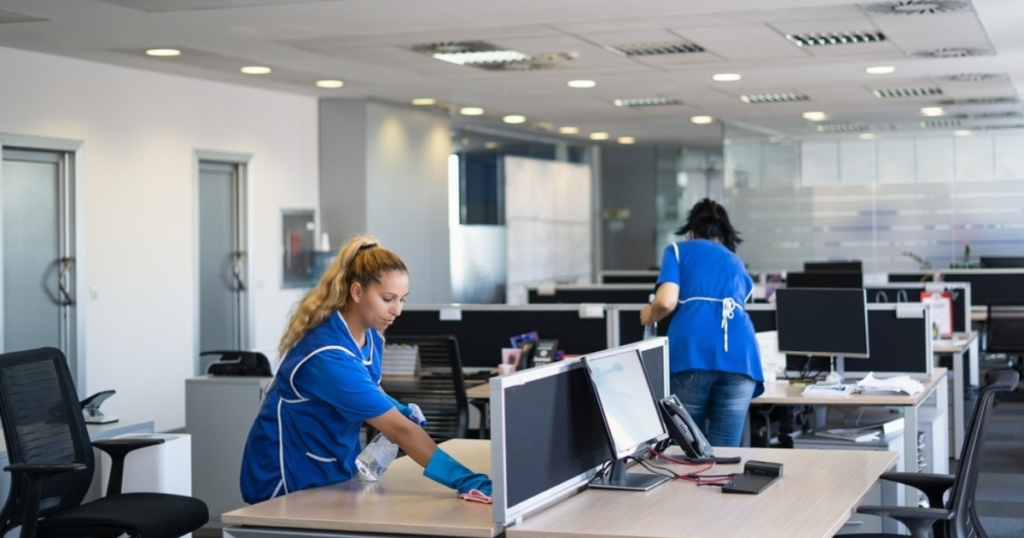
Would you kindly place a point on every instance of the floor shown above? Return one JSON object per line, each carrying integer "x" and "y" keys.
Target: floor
{"x": 1000, "y": 495}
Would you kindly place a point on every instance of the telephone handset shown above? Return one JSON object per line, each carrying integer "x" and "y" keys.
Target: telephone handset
{"x": 686, "y": 434}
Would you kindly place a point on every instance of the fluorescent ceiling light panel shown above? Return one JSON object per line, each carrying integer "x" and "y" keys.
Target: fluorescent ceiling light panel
{"x": 701, "y": 120}
{"x": 866, "y": 136}
{"x": 581, "y": 83}
{"x": 424, "y": 101}
{"x": 329, "y": 83}
{"x": 514, "y": 118}
{"x": 163, "y": 52}
{"x": 880, "y": 70}
{"x": 626, "y": 140}
{"x": 599, "y": 136}
{"x": 814, "y": 116}
{"x": 726, "y": 77}
{"x": 471, "y": 111}
{"x": 962, "y": 132}
{"x": 569, "y": 130}
{"x": 255, "y": 70}
{"x": 932, "y": 111}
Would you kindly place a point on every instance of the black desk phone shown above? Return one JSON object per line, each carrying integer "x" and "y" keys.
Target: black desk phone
{"x": 686, "y": 434}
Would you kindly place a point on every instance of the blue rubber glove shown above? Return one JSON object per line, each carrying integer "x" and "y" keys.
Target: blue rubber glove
{"x": 444, "y": 470}
{"x": 412, "y": 413}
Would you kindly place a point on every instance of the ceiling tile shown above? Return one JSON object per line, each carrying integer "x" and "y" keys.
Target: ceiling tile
{"x": 8, "y": 17}
{"x": 163, "y": 6}
{"x": 927, "y": 32}
{"x": 743, "y": 42}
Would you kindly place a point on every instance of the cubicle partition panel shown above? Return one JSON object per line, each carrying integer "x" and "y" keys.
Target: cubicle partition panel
{"x": 627, "y": 328}
{"x": 548, "y": 437}
{"x": 910, "y": 292}
{"x": 590, "y": 293}
{"x": 988, "y": 286}
{"x": 483, "y": 330}
{"x": 628, "y": 277}
{"x": 899, "y": 340}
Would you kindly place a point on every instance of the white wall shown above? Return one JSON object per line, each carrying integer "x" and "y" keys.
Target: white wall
{"x": 140, "y": 132}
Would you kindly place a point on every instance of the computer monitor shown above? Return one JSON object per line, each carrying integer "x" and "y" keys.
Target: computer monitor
{"x": 817, "y": 267}
{"x": 1002, "y": 262}
{"x": 829, "y": 322}
{"x": 630, "y": 412}
{"x": 825, "y": 279}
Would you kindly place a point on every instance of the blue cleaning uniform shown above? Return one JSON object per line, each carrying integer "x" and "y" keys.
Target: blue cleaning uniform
{"x": 307, "y": 431}
{"x": 710, "y": 330}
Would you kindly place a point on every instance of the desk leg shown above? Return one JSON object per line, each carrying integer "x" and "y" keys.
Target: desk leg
{"x": 484, "y": 430}
{"x": 910, "y": 451}
{"x": 959, "y": 367}
{"x": 975, "y": 361}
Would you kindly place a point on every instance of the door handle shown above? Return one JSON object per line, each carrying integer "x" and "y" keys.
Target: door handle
{"x": 237, "y": 271}
{"x": 65, "y": 299}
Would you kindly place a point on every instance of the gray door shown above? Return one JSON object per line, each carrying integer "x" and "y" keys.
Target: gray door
{"x": 222, "y": 262}
{"x": 38, "y": 270}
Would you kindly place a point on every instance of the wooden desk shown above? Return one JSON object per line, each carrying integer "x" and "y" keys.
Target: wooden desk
{"x": 402, "y": 502}
{"x": 970, "y": 366}
{"x": 479, "y": 392}
{"x": 783, "y": 393}
{"x": 817, "y": 493}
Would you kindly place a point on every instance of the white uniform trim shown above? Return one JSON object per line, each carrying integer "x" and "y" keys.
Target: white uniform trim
{"x": 366, "y": 362}
{"x": 321, "y": 458}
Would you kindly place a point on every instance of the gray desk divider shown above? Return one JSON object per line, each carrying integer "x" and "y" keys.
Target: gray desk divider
{"x": 910, "y": 292}
{"x": 547, "y": 434}
{"x": 590, "y": 293}
{"x": 988, "y": 286}
{"x": 627, "y": 277}
{"x": 483, "y": 330}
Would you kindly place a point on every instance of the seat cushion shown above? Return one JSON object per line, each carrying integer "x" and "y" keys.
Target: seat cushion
{"x": 149, "y": 515}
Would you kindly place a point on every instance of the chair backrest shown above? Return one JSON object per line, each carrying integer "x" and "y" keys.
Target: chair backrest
{"x": 965, "y": 522}
{"x": 42, "y": 422}
{"x": 1004, "y": 329}
{"x": 444, "y": 401}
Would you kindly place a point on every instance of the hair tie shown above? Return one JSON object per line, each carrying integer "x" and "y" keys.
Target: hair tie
{"x": 366, "y": 246}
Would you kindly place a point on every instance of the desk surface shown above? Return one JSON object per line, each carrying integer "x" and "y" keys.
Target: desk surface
{"x": 954, "y": 345}
{"x": 402, "y": 502}
{"x": 479, "y": 392}
{"x": 782, "y": 392}
{"x": 817, "y": 493}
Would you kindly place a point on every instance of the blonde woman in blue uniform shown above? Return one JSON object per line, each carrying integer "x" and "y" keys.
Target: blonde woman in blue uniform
{"x": 307, "y": 431}
{"x": 714, "y": 361}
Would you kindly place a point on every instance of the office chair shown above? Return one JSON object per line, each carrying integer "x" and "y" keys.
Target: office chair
{"x": 1004, "y": 333}
{"x": 957, "y": 518}
{"x": 52, "y": 462}
{"x": 440, "y": 390}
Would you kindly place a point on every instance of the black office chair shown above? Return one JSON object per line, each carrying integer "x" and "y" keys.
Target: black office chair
{"x": 1004, "y": 333}
{"x": 52, "y": 462}
{"x": 957, "y": 518}
{"x": 440, "y": 390}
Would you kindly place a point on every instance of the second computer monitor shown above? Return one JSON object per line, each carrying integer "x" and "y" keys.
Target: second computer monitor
{"x": 827, "y": 322}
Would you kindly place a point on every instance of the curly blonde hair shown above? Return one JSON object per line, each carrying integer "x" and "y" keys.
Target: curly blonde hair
{"x": 360, "y": 260}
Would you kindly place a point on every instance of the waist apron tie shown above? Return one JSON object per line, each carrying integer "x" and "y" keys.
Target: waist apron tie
{"x": 728, "y": 306}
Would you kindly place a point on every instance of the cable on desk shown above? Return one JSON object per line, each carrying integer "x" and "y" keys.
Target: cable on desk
{"x": 694, "y": 476}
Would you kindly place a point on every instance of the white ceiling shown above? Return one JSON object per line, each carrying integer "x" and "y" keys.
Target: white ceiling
{"x": 366, "y": 44}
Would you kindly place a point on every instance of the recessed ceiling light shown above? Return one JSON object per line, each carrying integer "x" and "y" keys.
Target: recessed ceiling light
{"x": 491, "y": 145}
{"x": 599, "y": 136}
{"x": 329, "y": 83}
{"x": 626, "y": 140}
{"x": 726, "y": 77}
{"x": 880, "y": 70}
{"x": 933, "y": 111}
{"x": 814, "y": 116}
{"x": 569, "y": 130}
{"x": 163, "y": 52}
{"x": 514, "y": 118}
{"x": 485, "y": 57}
{"x": 962, "y": 132}
{"x": 866, "y": 136}
{"x": 422, "y": 101}
{"x": 255, "y": 70}
{"x": 471, "y": 111}
{"x": 582, "y": 83}
{"x": 701, "y": 120}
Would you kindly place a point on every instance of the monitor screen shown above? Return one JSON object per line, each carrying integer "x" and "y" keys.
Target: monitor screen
{"x": 830, "y": 322}
{"x": 1002, "y": 262}
{"x": 828, "y": 279}
{"x": 813, "y": 267}
{"x": 630, "y": 413}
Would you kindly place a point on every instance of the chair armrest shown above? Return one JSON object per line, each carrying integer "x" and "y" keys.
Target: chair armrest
{"x": 118, "y": 449}
{"x": 37, "y": 474}
{"x": 934, "y": 486}
{"x": 917, "y": 520}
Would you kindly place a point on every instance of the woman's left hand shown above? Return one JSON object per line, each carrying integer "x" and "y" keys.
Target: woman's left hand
{"x": 645, "y": 316}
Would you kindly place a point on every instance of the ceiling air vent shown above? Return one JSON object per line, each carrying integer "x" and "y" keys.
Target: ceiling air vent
{"x": 835, "y": 38}
{"x": 843, "y": 127}
{"x": 996, "y": 115}
{"x": 993, "y": 127}
{"x": 973, "y": 77}
{"x": 986, "y": 101}
{"x": 906, "y": 92}
{"x": 941, "y": 124}
{"x": 954, "y": 52}
{"x": 480, "y": 54}
{"x": 773, "y": 98}
{"x": 917, "y": 7}
{"x": 647, "y": 101}
{"x": 656, "y": 49}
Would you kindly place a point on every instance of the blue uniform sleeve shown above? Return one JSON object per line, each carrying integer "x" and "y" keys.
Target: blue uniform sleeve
{"x": 343, "y": 382}
{"x": 669, "y": 267}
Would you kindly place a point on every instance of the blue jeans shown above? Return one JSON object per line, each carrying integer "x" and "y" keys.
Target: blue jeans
{"x": 718, "y": 398}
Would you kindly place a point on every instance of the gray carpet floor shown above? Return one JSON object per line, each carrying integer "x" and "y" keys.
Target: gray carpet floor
{"x": 1000, "y": 495}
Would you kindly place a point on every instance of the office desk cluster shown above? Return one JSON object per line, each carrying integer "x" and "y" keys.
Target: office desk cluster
{"x": 817, "y": 494}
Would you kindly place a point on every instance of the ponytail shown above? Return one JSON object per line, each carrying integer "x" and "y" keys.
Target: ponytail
{"x": 709, "y": 220}
{"x": 360, "y": 260}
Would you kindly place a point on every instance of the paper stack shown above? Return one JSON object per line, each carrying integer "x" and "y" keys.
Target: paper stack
{"x": 900, "y": 383}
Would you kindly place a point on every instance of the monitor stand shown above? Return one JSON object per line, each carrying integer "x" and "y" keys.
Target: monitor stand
{"x": 618, "y": 478}
{"x": 838, "y": 371}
